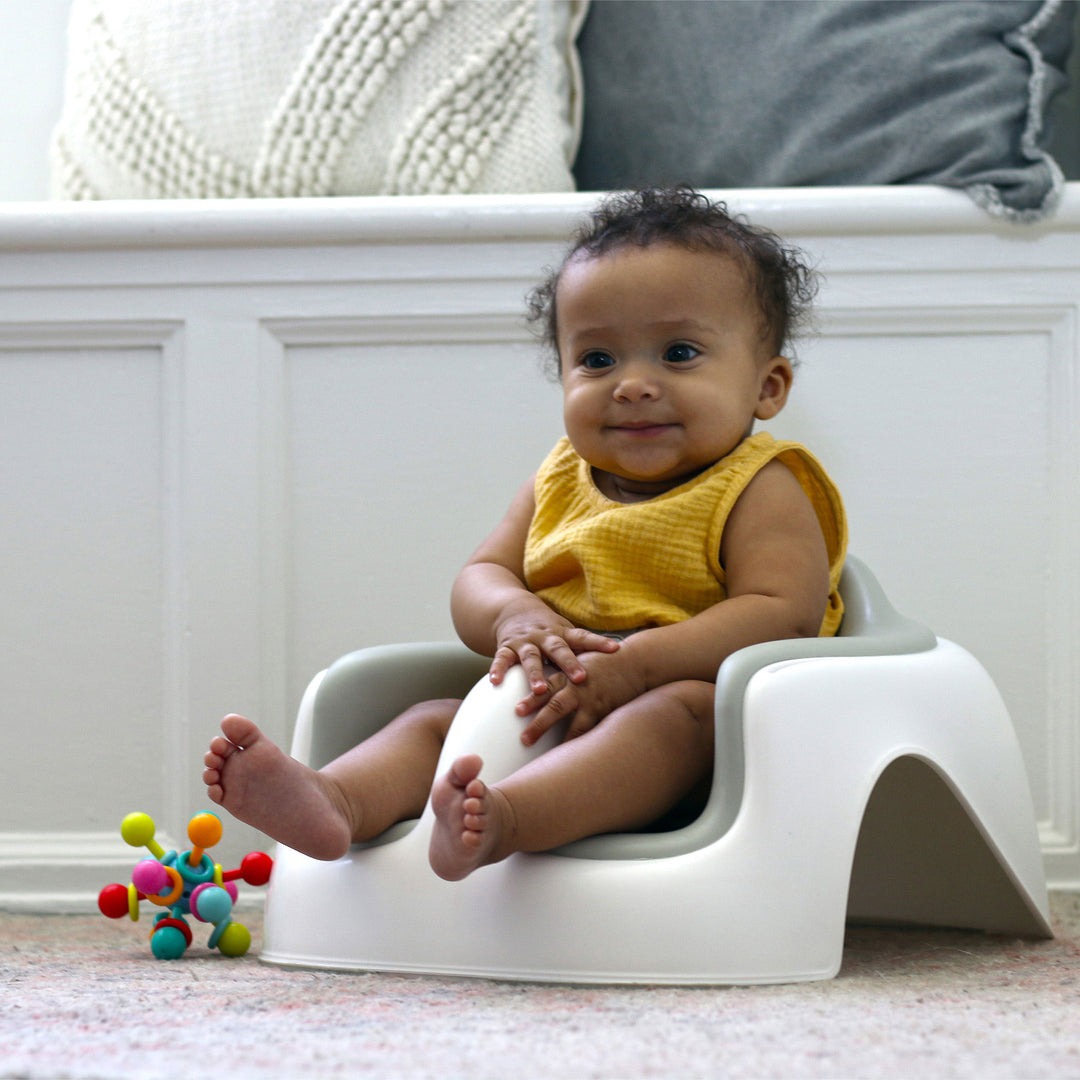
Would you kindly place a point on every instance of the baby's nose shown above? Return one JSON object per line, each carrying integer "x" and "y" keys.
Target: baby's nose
{"x": 637, "y": 384}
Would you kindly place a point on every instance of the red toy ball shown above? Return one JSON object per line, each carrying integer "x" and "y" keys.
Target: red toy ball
{"x": 255, "y": 867}
{"x": 112, "y": 901}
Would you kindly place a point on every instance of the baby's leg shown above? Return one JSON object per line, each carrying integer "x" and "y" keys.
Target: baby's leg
{"x": 623, "y": 774}
{"x": 383, "y": 780}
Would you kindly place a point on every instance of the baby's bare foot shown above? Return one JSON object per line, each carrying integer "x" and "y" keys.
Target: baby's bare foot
{"x": 259, "y": 784}
{"x": 470, "y": 821}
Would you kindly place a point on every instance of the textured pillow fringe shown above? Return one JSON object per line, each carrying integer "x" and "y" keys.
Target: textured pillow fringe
{"x": 68, "y": 180}
{"x": 344, "y": 71}
{"x": 444, "y": 146}
{"x": 986, "y": 195}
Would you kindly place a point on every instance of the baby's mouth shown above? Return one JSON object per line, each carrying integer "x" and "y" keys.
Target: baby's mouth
{"x": 643, "y": 428}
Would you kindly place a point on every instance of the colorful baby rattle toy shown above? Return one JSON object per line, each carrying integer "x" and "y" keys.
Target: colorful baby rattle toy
{"x": 191, "y": 883}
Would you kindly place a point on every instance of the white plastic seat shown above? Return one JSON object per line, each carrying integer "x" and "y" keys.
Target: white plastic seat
{"x": 874, "y": 776}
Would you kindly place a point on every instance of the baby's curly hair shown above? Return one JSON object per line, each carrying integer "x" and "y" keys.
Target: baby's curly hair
{"x": 782, "y": 281}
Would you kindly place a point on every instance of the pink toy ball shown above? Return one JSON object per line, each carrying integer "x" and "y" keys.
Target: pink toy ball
{"x": 113, "y": 901}
{"x": 150, "y": 877}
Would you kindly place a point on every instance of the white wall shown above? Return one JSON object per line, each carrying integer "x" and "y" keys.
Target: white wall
{"x": 186, "y": 410}
{"x": 32, "y": 55}
{"x": 221, "y": 422}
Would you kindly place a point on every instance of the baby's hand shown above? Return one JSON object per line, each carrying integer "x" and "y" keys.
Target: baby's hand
{"x": 534, "y": 636}
{"x": 611, "y": 682}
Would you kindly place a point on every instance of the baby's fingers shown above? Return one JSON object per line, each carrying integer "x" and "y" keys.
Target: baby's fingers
{"x": 564, "y": 657}
{"x": 589, "y": 641}
{"x": 531, "y": 660}
{"x": 558, "y": 707}
{"x": 505, "y": 658}
{"x": 563, "y": 653}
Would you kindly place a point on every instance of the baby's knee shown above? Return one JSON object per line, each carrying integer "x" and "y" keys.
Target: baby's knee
{"x": 436, "y": 715}
{"x": 691, "y": 704}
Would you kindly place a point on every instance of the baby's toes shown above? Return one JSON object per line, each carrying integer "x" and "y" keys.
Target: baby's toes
{"x": 221, "y": 747}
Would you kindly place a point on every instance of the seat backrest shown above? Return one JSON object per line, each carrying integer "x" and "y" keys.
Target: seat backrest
{"x": 869, "y": 614}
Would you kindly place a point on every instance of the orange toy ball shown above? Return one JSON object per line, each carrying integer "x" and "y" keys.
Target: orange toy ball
{"x": 204, "y": 830}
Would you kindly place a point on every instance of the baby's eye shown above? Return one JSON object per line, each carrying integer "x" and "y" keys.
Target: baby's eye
{"x": 680, "y": 354}
{"x": 596, "y": 361}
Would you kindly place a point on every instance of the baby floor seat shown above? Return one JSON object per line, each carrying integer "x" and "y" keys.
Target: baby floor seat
{"x": 874, "y": 776}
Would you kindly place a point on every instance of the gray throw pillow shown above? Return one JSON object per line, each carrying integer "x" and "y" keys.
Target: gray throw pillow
{"x": 778, "y": 93}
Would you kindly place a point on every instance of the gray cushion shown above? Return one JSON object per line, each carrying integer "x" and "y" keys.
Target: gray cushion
{"x": 779, "y": 93}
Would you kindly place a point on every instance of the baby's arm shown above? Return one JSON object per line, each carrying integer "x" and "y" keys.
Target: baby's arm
{"x": 496, "y": 615}
{"x": 777, "y": 569}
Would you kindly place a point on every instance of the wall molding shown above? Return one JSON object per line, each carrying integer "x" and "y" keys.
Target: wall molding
{"x": 64, "y": 871}
{"x": 188, "y": 224}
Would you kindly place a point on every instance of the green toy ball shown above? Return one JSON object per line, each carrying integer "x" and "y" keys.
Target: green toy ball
{"x": 235, "y": 941}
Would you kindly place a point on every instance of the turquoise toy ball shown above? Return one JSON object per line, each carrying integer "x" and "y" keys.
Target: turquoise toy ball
{"x": 167, "y": 943}
{"x": 211, "y": 904}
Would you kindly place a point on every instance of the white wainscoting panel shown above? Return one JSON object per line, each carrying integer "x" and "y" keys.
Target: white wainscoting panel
{"x": 238, "y": 440}
{"x": 92, "y": 657}
{"x": 378, "y": 435}
{"x": 966, "y": 479}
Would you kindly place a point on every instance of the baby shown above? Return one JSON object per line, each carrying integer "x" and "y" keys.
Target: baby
{"x": 660, "y": 535}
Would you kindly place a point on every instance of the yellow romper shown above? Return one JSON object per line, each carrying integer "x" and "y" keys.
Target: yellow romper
{"x": 614, "y": 567}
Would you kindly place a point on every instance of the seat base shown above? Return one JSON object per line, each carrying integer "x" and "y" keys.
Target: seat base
{"x": 765, "y": 901}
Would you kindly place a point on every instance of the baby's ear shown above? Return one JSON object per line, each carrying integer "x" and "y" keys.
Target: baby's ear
{"x": 775, "y": 384}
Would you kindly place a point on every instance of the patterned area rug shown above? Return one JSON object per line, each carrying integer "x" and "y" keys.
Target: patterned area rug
{"x": 83, "y": 998}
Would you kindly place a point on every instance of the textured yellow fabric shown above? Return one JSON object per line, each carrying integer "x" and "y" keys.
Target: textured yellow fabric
{"x": 622, "y": 566}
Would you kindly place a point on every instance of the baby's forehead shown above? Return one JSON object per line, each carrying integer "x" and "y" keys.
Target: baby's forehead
{"x": 707, "y": 253}
{"x": 731, "y": 272}
{"x": 733, "y": 264}
{"x": 693, "y": 265}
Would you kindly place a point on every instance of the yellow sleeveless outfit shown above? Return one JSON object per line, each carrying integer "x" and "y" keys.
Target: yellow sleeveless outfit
{"x": 613, "y": 566}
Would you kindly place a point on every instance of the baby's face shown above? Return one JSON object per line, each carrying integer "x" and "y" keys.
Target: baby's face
{"x": 664, "y": 368}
